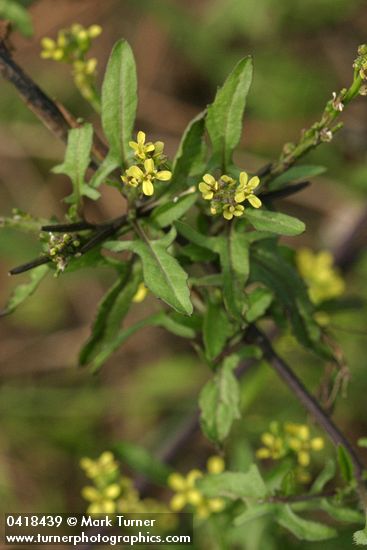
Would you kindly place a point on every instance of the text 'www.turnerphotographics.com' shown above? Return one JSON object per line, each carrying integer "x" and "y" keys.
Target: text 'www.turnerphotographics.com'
{"x": 99, "y": 529}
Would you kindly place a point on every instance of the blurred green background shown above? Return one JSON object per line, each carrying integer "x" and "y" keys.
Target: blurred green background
{"x": 53, "y": 414}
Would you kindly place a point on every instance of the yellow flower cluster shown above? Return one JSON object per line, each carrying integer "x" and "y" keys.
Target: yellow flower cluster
{"x": 290, "y": 439}
{"x": 150, "y": 159}
{"x": 322, "y": 279}
{"x": 112, "y": 492}
{"x": 187, "y": 494}
{"x": 226, "y": 195}
{"x": 71, "y": 46}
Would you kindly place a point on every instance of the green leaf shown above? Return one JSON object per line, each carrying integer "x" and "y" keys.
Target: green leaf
{"x": 341, "y": 513}
{"x": 142, "y": 461}
{"x": 345, "y": 464}
{"x": 258, "y": 302}
{"x": 233, "y": 252}
{"x": 76, "y": 162}
{"x": 161, "y": 319}
{"x": 303, "y": 529}
{"x": 13, "y": 11}
{"x": 111, "y": 312}
{"x": 219, "y": 401}
{"x": 234, "y": 485}
{"x": 326, "y": 474}
{"x": 215, "y": 279}
{"x": 22, "y": 292}
{"x": 194, "y": 236}
{"x": 188, "y": 159}
{"x": 276, "y": 222}
{"x": 109, "y": 164}
{"x": 270, "y": 268}
{"x": 119, "y": 101}
{"x": 172, "y": 211}
{"x": 163, "y": 275}
{"x": 216, "y": 330}
{"x": 255, "y": 512}
{"x": 296, "y": 173}
{"x": 360, "y": 537}
{"x": 224, "y": 118}
{"x": 362, "y": 442}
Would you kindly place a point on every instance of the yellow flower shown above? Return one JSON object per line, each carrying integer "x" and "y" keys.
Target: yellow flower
{"x": 105, "y": 465}
{"x": 188, "y": 494}
{"x": 322, "y": 279}
{"x": 208, "y": 187}
{"x": 215, "y": 465}
{"x": 102, "y": 500}
{"x": 140, "y": 294}
{"x": 301, "y": 443}
{"x": 94, "y": 31}
{"x": 245, "y": 190}
{"x": 135, "y": 176}
{"x": 229, "y": 211}
{"x": 273, "y": 446}
{"x": 140, "y": 147}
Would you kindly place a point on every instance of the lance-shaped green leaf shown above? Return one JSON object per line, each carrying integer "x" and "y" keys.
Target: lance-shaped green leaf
{"x": 172, "y": 211}
{"x": 270, "y": 268}
{"x": 296, "y": 173}
{"x": 224, "y": 118}
{"x": 217, "y": 328}
{"x": 219, "y": 401}
{"x": 345, "y": 464}
{"x": 189, "y": 156}
{"x": 254, "y": 512}
{"x": 76, "y": 162}
{"x": 170, "y": 322}
{"x": 22, "y": 292}
{"x": 142, "y": 461}
{"x": 163, "y": 275}
{"x": 275, "y": 222}
{"x": 303, "y": 529}
{"x": 258, "y": 302}
{"x": 234, "y": 485}
{"x": 111, "y": 312}
{"x": 326, "y": 474}
{"x": 119, "y": 102}
{"x": 233, "y": 252}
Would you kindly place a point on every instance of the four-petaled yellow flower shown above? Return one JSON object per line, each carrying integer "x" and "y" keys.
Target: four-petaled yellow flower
{"x": 105, "y": 465}
{"x": 301, "y": 442}
{"x": 140, "y": 147}
{"x": 208, "y": 187}
{"x": 188, "y": 494}
{"x": 229, "y": 211}
{"x": 102, "y": 501}
{"x": 136, "y": 176}
{"x": 322, "y": 279}
{"x": 274, "y": 447}
{"x": 245, "y": 190}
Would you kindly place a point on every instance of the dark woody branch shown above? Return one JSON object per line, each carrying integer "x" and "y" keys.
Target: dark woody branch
{"x": 53, "y": 115}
